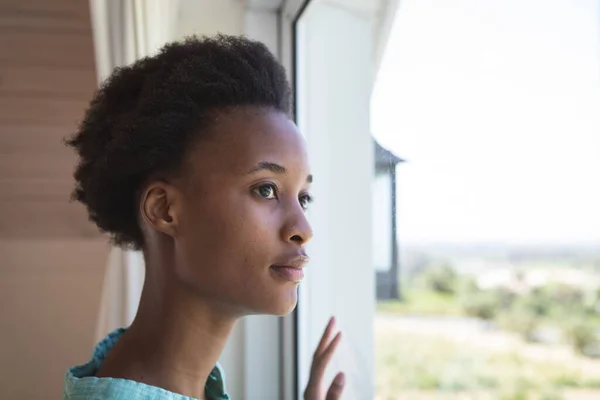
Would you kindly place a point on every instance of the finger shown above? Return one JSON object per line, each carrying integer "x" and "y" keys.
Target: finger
{"x": 337, "y": 387}
{"x": 320, "y": 363}
{"x": 325, "y": 338}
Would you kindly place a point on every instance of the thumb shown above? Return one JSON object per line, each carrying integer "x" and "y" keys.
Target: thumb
{"x": 337, "y": 387}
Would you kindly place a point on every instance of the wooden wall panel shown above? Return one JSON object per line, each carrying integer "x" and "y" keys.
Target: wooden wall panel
{"x": 47, "y": 77}
{"x": 66, "y": 82}
{"x": 32, "y": 137}
{"x": 37, "y": 165}
{"x": 73, "y": 8}
{"x": 49, "y": 300}
{"x": 52, "y": 259}
{"x": 37, "y": 108}
{"x": 61, "y": 219}
{"x": 43, "y": 48}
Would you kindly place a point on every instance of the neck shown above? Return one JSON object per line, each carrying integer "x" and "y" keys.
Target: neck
{"x": 174, "y": 341}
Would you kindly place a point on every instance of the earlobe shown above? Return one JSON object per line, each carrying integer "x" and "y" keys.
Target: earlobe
{"x": 158, "y": 208}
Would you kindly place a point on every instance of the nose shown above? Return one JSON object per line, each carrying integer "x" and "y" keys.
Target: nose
{"x": 297, "y": 229}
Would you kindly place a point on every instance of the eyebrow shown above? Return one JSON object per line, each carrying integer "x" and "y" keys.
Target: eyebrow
{"x": 273, "y": 167}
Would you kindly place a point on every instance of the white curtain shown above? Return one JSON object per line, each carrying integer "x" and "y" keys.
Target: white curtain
{"x": 124, "y": 31}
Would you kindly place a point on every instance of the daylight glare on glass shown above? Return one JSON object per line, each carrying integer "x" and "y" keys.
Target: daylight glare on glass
{"x": 493, "y": 106}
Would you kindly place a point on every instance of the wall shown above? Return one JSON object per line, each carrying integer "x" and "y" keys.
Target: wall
{"x": 51, "y": 258}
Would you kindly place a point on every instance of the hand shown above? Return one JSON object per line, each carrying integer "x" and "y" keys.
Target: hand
{"x": 322, "y": 356}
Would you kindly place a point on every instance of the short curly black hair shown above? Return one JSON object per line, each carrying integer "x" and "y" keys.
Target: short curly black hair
{"x": 145, "y": 116}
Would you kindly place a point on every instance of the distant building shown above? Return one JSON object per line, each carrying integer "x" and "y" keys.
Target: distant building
{"x": 385, "y": 239}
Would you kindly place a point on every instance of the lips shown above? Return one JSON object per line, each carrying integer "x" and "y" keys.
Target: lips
{"x": 290, "y": 269}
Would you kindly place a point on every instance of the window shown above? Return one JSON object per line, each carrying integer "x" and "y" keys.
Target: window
{"x": 495, "y": 243}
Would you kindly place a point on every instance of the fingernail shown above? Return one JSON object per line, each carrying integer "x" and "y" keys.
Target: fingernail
{"x": 340, "y": 379}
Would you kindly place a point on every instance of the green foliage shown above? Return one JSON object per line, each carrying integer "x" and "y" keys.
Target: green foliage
{"x": 422, "y": 302}
{"x": 521, "y": 320}
{"x": 438, "y": 367}
{"x": 480, "y": 304}
{"x": 551, "y": 394}
{"x": 432, "y": 365}
{"x": 439, "y": 290}
{"x": 440, "y": 278}
{"x": 583, "y": 335}
{"x": 538, "y": 302}
{"x": 485, "y": 304}
{"x": 566, "y": 295}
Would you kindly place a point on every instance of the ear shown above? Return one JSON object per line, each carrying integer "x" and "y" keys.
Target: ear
{"x": 160, "y": 208}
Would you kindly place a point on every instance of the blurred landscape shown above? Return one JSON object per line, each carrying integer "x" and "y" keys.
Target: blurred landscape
{"x": 492, "y": 321}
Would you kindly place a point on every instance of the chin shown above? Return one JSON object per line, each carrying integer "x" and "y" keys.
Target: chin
{"x": 281, "y": 303}
{"x": 283, "y": 311}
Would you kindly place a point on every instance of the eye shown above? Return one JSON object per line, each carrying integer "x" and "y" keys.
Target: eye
{"x": 267, "y": 191}
{"x": 305, "y": 200}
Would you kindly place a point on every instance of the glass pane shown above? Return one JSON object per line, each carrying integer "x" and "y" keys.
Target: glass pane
{"x": 495, "y": 108}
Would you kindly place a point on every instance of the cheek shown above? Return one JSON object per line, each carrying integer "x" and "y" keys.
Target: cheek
{"x": 230, "y": 233}
{"x": 228, "y": 247}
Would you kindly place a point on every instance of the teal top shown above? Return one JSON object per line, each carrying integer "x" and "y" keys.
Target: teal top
{"x": 80, "y": 382}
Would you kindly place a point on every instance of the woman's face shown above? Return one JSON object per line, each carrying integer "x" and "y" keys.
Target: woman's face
{"x": 243, "y": 229}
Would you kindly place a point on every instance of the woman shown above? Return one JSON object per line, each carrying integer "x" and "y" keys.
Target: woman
{"x": 192, "y": 157}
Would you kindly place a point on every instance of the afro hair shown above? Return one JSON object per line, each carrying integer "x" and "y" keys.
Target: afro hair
{"x": 145, "y": 116}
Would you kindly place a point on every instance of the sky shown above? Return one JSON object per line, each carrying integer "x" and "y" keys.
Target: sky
{"x": 495, "y": 106}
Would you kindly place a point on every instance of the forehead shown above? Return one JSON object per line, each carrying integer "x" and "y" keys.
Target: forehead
{"x": 240, "y": 138}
